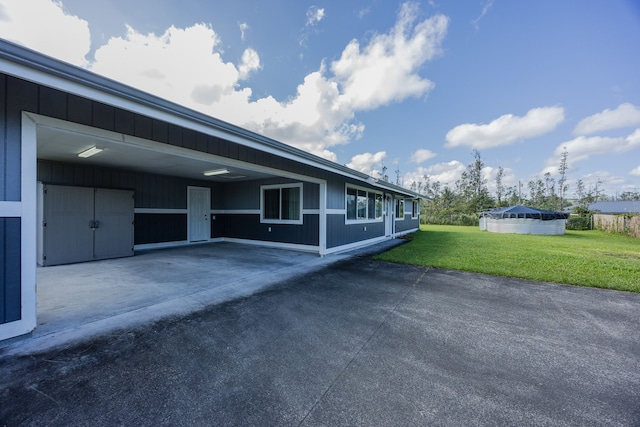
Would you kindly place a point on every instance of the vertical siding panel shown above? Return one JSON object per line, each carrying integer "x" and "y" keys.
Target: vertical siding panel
{"x": 124, "y": 122}
{"x": 52, "y": 103}
{"x": 142, "y": 126}
{"x": 214, "y": 145}
{"x": 79, "y": 110}
{"x": 189, "y": 139}
{"x": 21, "y": 96}
{"x": 233, "y": 150}
{"x": 175, "y": 135}
{"x": 201, "y": 142}
{"x": 159, "y": 131}
{"x": 103, "y": 116}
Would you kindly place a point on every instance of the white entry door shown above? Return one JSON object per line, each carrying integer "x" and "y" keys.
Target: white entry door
{"x": 389, "y": 219}
{"x": 199, "y": 207}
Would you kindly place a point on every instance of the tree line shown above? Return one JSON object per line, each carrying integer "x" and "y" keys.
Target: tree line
{"x": 471, "y": 195}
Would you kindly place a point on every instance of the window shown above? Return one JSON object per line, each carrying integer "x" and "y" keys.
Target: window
{"x": 363, "y": 205}
{"x": 351, "y": 203}
{"x": 281, "y": 204}
{"x": 399, "y": 208}
{"x": 416, "y": 209}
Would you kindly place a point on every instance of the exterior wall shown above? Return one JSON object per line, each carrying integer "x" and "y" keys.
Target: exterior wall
{"x": 407, "y": 223}
{"x": 525, "y": 226}
{"x": 160, "y": 201}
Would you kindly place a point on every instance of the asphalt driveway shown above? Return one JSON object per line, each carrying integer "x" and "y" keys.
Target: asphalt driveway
{"x": 358, "y": 342}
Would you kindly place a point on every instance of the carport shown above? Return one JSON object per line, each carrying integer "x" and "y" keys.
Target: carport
{"x": 76, "y": 301}
{"x": 79, "y": 147}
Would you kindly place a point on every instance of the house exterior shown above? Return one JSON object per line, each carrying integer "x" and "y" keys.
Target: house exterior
{"x": 617, "y": 217}
{"x": 91, "y": 168}
{"x": 615, "y": 208}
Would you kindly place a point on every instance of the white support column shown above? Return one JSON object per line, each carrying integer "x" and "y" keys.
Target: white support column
{"x": 26, "y": 211}
{"x": 322, "y": 228}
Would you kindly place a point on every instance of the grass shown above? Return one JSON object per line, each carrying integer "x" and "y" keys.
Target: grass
{"x": 585, "y": 258}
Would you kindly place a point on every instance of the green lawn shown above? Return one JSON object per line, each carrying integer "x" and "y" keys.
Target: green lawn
{"x": 586, "y": 258}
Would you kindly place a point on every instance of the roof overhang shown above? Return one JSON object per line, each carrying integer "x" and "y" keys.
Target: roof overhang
{"x": 38, "y": 68}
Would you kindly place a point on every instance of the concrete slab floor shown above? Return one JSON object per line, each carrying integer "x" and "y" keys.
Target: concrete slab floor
{"x": 77, "y": 301}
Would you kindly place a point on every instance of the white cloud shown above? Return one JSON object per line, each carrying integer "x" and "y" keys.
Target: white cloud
{"x": 186, "y": 66}
{"x": 37, "y": 24}
{"x": 485, "y": 9}
{"x": 368, "y": 163}
{"x": 422, "y": 155}
{"x": 506, "y": 129}
{"x": 314, "y": 15}
{"x": 447, "y": 173}
{"x": 583, "y": 147}
{"x": 625, "y": 115}
{"x": 635, "y": 172}
{"x": 250, "y": 62}
{"x": 385, "y": 70}
{"x": 244, "y": 27}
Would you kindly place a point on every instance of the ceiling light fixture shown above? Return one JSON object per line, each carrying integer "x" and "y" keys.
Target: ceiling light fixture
{"x": 216, "y": 172}
{"x": 90, "y": 152}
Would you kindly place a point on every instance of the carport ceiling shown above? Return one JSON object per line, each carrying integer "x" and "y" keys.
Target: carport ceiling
{"x": 64, "y": 145}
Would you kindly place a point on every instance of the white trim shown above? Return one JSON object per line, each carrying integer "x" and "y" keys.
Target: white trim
{"x": 28, "y": 221}
{"x": 402, "y": 233}
{"x": 310, "y": 211}
{"x": 322, "y": 224}
{"x": 336, "y": 211}
{"x": 235, "y": 211}
{"x": 395, "y": 208}
{"x": 160, "y": 211}
{"x": 413, "y": 205}
{"x": 356, "y": 244}
{"x": 264, "y": 220}
{"x": 162, "y": 245}
{"x": 269, "y": 244}
{"x": 10, "y": 209}
{"x": 366, "y": 220}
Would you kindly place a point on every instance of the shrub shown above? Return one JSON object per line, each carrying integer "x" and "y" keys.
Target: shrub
{"x": 450, "y": 219}
{"x": 579, "y": 223}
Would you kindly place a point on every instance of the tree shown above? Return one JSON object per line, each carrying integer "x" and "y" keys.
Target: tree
{"x": 472, "y": 187}
{"x": 562, "y": 169}
{"x": 580, "y": 193}
{"x": 499, "y": 186}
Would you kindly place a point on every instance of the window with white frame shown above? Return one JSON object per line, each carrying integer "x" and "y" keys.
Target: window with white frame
{"x": 416, "y": 209}
{"x": 281, "y": 203}
{"x": 363, "y": 205}
{"x": 399, "y": 208}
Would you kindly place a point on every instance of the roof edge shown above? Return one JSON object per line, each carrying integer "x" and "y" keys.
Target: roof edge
{"x": 40, "y": 62}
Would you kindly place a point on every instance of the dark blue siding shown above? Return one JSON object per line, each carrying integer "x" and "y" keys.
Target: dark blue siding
{"x": 339, "y": 233}
{"x": 10, "y": 268}
{"x": 335, "y": 193}
{"x": 160, "y": 228}
{"x": 407, "y": 224}
{"x": 151, "y": 191}
{"x": 249, "y": 227}
{"x": 311, "y": 194}
{"x": 20, "y": 96}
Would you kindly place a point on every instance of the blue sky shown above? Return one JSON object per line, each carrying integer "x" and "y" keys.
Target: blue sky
{"x": 415, "y": 86}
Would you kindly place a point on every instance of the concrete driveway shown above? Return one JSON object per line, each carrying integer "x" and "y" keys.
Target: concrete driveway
{"x": 356, "y": 342}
